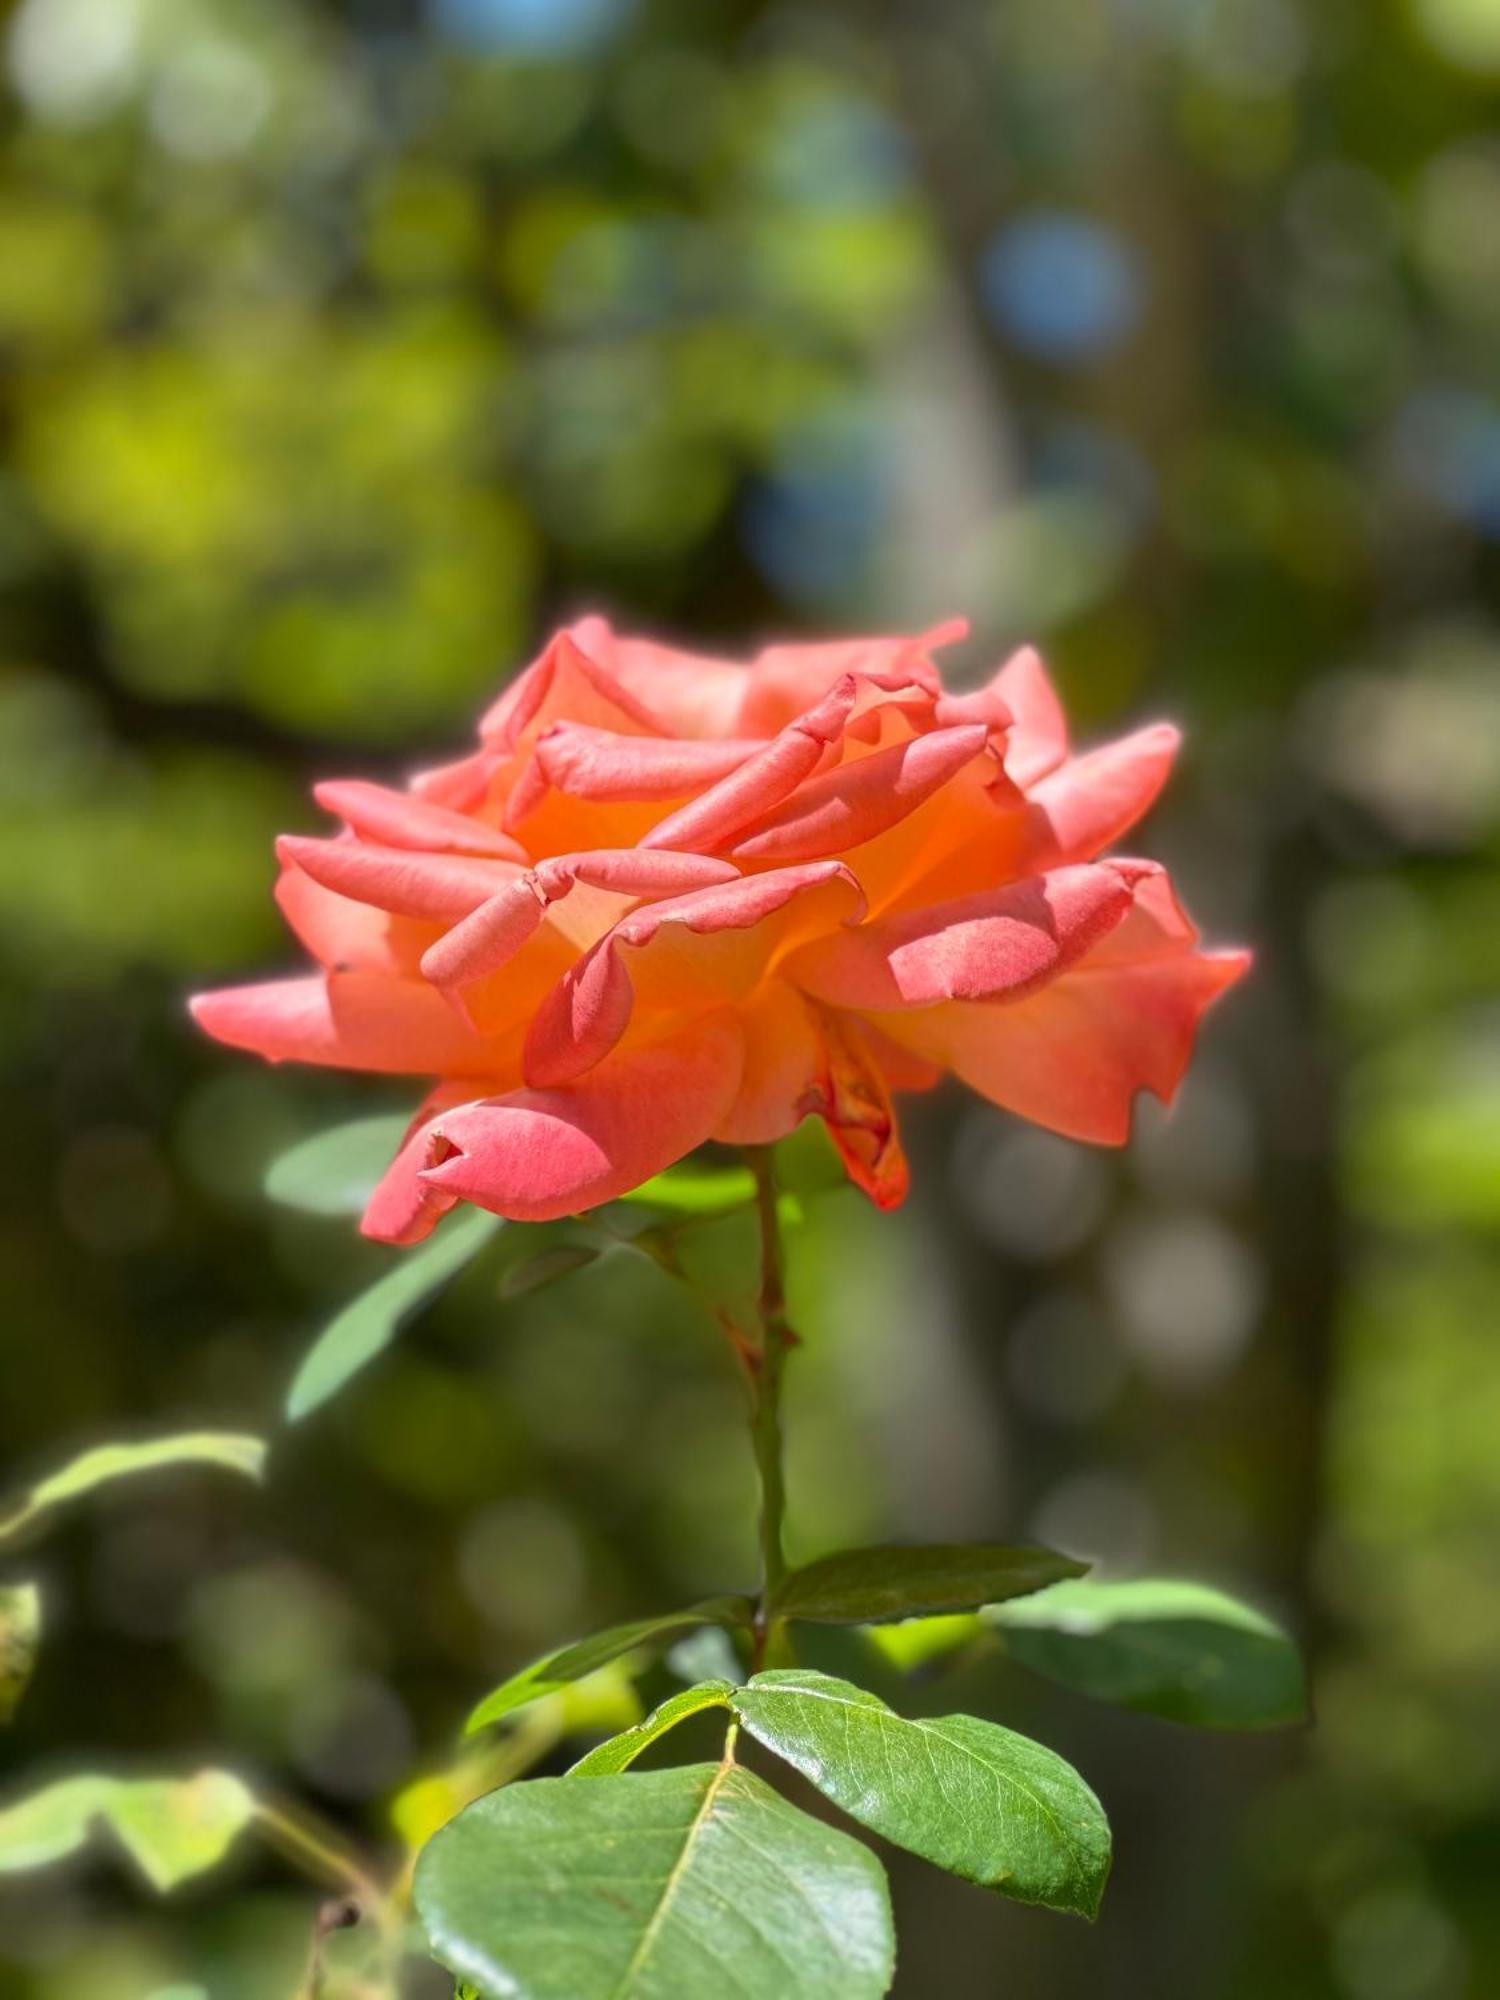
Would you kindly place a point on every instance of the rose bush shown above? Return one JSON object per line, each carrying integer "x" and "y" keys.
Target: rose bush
{"x": 673, "y": 898}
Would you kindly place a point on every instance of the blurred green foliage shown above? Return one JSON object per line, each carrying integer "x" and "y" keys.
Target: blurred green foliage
{"x": 344, "y": 349}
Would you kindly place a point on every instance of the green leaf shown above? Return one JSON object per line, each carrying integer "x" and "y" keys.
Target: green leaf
{"x": 1178, "y": 1650}
{"x": 20, "y": 1639}
{"x": 917, "y": 1642}
{"x": 657, "y": 1885}
{"x": 697, "y": 1190}
{"x": 368, "y": 1324}
{"x": 571, "y": 1663}
{"x": 870, "y": 1586}
{"x": 707, "y": 1654}
{"x": 558, "y": 1260}
{"x": 172, "y": 1828}
{"x": 622, "y": 1750}
{"x": 231, "y": 1450}
{"x": 980, "y": 1800}
{"x": 335, "y": 1172}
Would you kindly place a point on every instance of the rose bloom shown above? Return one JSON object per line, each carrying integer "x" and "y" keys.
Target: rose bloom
{"x": 672, "y": 898}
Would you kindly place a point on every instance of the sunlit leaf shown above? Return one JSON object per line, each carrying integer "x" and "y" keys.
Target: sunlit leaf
{"x": 980, "y": 1800}
{"x": 172, "y": 1828}
{"x": 598, "y": 1705}
{"x": 867, "y": 1586}
{"x": 571, "y": 1663}
{"x": 1179, "y": 1650}
{"x": 649, "y": 1886}
{"x": 369, "y": 1323}
{"x": 20, "y": 1639}
{"x": 915, "y": 1642}
{"x": 697, "y": 1190}
{"x": 231, "y": 1450}
{"x": 621, "y": 1751}
{"x": 335, "y": 1172}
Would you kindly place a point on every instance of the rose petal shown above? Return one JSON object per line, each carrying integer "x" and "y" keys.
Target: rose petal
{"x": 535, "y": 1155}
{"x": 860, "y": 1117}
{"x": 399, "y": 820}
{"x": 903, "y": 1069}
{"x": 1087, "y": 803}
{"x": 342, "y": 934}
{"x": 984, "y": 705}
{"x": 404, "y": 881}
{"x": 782, "y": 1081}
{"x": 694, "y": 694}
{"x": 587, "y": 787}
{"x": 460, "y": 786}
{"x": 841, "y": 809}
{"x": 785, "y": 681}
{"x": 762, "y": 781}
{"x": 348, "y": 1020}
{"x": 1073, "y": 1054}
{"x": 565, "y": 684}
{"x": 1074, "y": 1057}
{"x": 602, "y": 765}
{"x": 688, "y": 954}
{"x": 491, "y": 935}
{"x": 1039, "y": 729}
{"x": 402, "y": 1209}
{"x": 1000, "y": 942}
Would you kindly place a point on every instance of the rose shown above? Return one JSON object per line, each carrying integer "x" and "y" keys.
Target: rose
{"x": 672, "y": 899}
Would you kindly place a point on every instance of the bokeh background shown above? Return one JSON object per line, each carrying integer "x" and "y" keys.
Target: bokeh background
{"x": 345, "y": 349}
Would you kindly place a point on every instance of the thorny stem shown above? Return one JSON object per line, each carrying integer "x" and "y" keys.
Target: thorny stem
{"x": 764, "y": 1365}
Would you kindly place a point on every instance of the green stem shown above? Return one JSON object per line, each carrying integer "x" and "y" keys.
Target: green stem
{"x": 319, "y": 1852}
{"x": 764, "y": 1368}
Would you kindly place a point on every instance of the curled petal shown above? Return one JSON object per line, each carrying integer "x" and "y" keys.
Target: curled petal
{"x": 402, "y": 1209}
{"x": 1073, "y": 1054}
{"x": 841, "y": 809}
{"x": 347, "y": 1020}
{"x": 409, "y": 883}
{"x": 535, "y": 1155}
{"x": 488, "y": 938}
{"x": 399, "y": 820}
{"x": 985, "y": 705}
{"x": 694, "y": 694}
{"x": 998, "y": 943}
{"x": 856, "y": 1107}
{"x": 1087, "y": 803}
{"x": 1039, "y": 729}
{"x": 1156, "y": 925}
{"x": 762, "y": 781}
{"x": 688, "y": 953}
{"x": 784, "y": 681}
{"x": 1074, "y": 1057}
{"x": 494, "y": 932}
{"x": 602, "y": 765}
{"x": 566, "y": 683}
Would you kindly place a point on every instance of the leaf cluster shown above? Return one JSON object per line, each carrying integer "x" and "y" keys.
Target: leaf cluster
{"x": 619, "y": 1882}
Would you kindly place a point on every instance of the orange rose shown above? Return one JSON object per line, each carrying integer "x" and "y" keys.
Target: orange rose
{"x": 672, "y": 899}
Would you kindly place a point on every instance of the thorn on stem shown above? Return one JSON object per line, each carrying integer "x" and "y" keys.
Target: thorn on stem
{"x": 340, "y": 1913}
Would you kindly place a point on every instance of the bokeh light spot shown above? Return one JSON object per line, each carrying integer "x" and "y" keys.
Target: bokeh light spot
{"x": 1061, "y": 286}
